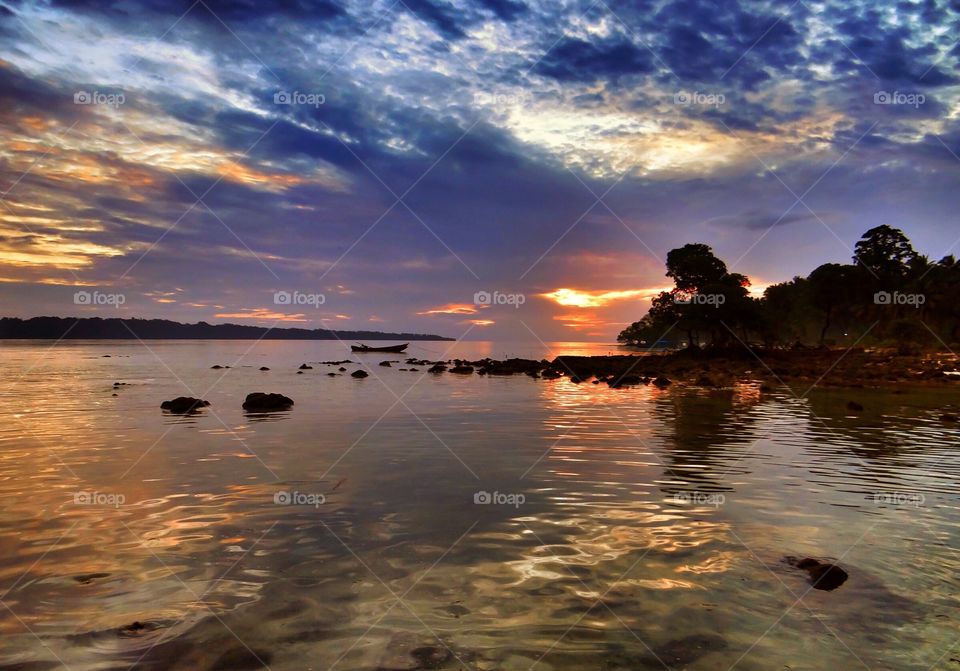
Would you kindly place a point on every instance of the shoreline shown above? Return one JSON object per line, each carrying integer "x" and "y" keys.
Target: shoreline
{"x": 852, "y": 368}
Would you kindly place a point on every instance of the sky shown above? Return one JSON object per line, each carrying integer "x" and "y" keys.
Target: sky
{"x": 484, "y": 169}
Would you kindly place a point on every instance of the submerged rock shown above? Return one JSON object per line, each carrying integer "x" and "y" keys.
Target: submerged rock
{"x": 359, "y": 374}
{"x": 551, "y": 374}
{"x": 462, "y": 370}
{"x": 853, "y": 406}
{"x": 264, "y": 368}
{"x": 386, "y": 364}
{"x": 259, "y": 401}
{"x": 662, "y": 382}
{"x": 437, "y": 368}
{"x": 823, "y": 575}
{"x": 183, "y": 405}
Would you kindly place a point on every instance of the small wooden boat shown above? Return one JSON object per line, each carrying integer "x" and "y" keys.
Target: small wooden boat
{"x": 389, "y": 348}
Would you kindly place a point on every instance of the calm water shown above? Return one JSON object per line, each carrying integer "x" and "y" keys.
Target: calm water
{"x": 630, "y": 529}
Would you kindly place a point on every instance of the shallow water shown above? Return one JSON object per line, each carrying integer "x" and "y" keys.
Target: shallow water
{"x": 632, "y": 528}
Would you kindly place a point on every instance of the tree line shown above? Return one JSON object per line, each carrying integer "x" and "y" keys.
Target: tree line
{"x": 889, "y": 295}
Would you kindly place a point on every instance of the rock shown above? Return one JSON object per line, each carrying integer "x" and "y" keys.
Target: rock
{"x": 331, "y": 375}
{"x": 462, "y": 370}
{"x": 215, "y": 366}
{"x": 437, "y": 368}
{"x": 823, "y": 576}
{"x": 853, "y": 406}
{"x": 947, "y": 417}
{"x": 299, "y": 372}
{"x": 551, "y": 374}
{"x": 705, "y": 381}
{"x": 414, "y": 370}
{"x": 431, "y": 656}
{"x": 359, "y": 374}
{"x": 183, "y": 405}
{"x": 264, "y": 368}
{"x": 88, "y": 578}
{"x": 304, "y": 366}
{"x": 662, "y": 382}
{"x": 259, "y": 401}
{"x": 342, "y": 369}
{"x": 629, "y": 380}
{"x": 386, "y": 364}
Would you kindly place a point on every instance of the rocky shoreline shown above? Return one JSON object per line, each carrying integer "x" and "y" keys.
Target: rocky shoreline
{"x": 720, "y": 368}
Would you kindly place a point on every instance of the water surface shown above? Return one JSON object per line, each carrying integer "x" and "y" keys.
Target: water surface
{"x": 629, "y": 529}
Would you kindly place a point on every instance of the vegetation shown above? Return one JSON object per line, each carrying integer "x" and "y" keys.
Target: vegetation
{"x": 889, "y": 295}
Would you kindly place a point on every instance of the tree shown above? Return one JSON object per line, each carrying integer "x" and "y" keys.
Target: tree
{"x": 885, "y": 252}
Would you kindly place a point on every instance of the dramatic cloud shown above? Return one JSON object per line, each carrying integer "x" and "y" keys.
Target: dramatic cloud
{"x": 398, "y": 158}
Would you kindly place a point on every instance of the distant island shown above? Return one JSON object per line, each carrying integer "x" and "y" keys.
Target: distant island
{"x": 97, "y": 328}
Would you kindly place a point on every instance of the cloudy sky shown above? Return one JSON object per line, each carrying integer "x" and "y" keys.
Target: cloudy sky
{"x": 398, "y": 157}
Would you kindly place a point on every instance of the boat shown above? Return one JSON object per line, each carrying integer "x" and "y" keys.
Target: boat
{"x": 389, "y": 348}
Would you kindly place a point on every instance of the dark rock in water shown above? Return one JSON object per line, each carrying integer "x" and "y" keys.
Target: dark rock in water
{"x": 183, "y": 405}
{"x": 947, "y": 417}
{"x": 551, "y": 374}
{"x": 823, "y": 576}
{"x": 853, "y": 406}
{"x": 88, "y": 578}
{"x": 629, "y": 380}
{"x": 530, "y": 373}
{"x": 342, "y": 369}
{"x": 386, "y": 364}
{"x": 137, "y": 629}
{"x": 216, "y": 366}
{"x": 331, "y": 375}
{"x": 359, "y": 374}
{"x": 299, "y": 372}
{"x": 304, "y": 366}
{"x": 335, "y": 363}
{"x": 661, "y": 382}
{"x": 105, "y": 356}
{"x": 114, "y": 394}
{"x": 414, "y": 369}
{"x": 437, "y": 368}
{"x": 431, "y": 656}
{"x": 264, "y": 368}
{"x": 259, "y": 401}
{"x": 462, "y": 370}
{"x": 705, "y": 381}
